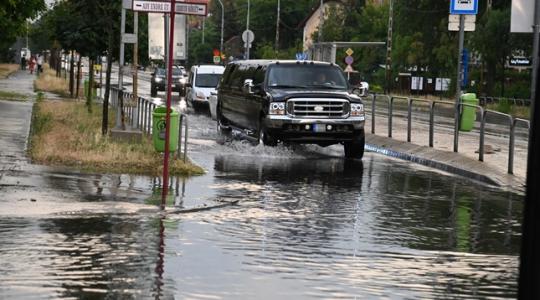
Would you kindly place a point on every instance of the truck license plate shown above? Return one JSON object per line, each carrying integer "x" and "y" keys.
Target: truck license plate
{"x": 319, "y": 128}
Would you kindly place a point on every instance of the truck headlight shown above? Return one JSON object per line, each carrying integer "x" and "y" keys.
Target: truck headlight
{"x": 277, "y": 108}
{"x": 158, "y": 79}
{"x": 200, "y": 95}
{"x": 182, "y": 80}
{"x": 357, "y": 109}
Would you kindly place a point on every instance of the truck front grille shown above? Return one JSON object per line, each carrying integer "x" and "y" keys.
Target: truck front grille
{"x": 318, "y": 108}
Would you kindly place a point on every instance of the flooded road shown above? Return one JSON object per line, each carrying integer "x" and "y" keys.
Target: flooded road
{"x": 308, "y": 225}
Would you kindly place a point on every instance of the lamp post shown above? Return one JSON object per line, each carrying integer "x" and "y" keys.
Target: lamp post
{"x": 222, "y": 25}
{"x": 247, "y": 28}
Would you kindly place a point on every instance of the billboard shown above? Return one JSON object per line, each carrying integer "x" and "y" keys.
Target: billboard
{"x": 522, "y": 16}
{"x": 156, "y": 37}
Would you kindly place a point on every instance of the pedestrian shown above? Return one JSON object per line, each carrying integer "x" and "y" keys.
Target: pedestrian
{"x": 39, "y": 64}
{"x": 23, "y": 62}
{"x": 32, "y": 64}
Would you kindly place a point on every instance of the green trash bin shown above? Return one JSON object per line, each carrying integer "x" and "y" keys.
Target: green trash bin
{"x": 158, "y": 129}
{"x": 468, "y": 113}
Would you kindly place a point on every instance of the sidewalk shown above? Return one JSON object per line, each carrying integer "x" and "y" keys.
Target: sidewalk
{"x": 15, "y": 119}
{"x": 493, "y": 170}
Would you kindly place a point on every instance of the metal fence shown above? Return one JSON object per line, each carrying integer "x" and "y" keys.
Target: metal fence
{"x": 483, "y": 101}
{"x": 137, "y": 114}
{"x": 457, "y": 109}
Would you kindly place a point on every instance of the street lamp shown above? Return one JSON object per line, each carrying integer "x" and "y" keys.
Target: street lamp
{"x": 222, "y": 25}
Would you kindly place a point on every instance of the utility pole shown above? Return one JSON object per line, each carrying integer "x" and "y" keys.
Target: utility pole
{"x": 222, "y": 25}
{"x": 277, "y": 25}
{"x": 389, "y": 48}
{"x": 135, "y": 65}
{"x": 459, "y": 78}
{"x": 120, "y": 106}
{"x": 529, "y": 269}
{"x": 203, "y": 25}
{"x": 247, "y": 28}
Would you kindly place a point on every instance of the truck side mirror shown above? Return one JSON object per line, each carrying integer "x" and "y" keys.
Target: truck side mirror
{"x": 248, "y": 86}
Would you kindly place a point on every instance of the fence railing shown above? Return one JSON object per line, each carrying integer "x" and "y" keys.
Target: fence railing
{"x": 457, "y": 109}
{"x": 137, "y": 113}
{"x": 483, "y": 101}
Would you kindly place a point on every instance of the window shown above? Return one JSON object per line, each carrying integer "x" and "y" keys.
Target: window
{"x": 306, "y": 75}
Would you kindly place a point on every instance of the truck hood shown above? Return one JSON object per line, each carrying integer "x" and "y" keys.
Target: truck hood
{"x": 285, "y": 94}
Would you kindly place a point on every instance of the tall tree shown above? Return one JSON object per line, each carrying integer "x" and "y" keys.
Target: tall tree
{"x": 13, "y": 17}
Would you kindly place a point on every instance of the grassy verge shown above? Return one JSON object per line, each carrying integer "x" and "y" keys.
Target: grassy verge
{"x": 64, "y": 134}
{"x": 7, "y": 69}
{"x": 48, "y": 82}
{"x": 12, "y": 96}
{"x": 523, "y": 112}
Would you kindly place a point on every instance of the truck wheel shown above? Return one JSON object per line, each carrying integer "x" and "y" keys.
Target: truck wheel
{"x": 223, "y": 131}
{"x": 355, "y": 148}
{"x": 264, "y": 137}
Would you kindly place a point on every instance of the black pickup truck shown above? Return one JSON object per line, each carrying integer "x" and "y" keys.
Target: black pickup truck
{"x": 291, "y": 101}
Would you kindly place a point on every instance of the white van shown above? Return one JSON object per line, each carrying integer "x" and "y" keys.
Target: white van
{"x": 203, "y": 80}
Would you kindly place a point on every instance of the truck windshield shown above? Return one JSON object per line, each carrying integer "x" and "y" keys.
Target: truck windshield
{"x": 306, "y": 76}
{"x": 207, "y": 80}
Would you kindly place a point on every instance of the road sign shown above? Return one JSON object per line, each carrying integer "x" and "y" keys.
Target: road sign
{"x": 468, "y": 18}
{"x": 248, "y": 36}
{"x": 301, "y": 56}
{"x": 466, "y": 26}
{"x": 191, "y": 9}
{"x": 151, "y": 6}
{"x": 217, "y": 59}
{"x": 517, "y": 61}
{"x": 349, "y": 60}
{"x": 349, "y": 69}
{"x": 129, "y": 38}
{"x": 184, "y": 8}
{"x": 464, "y": 7}
{"x": 349, "y": 52}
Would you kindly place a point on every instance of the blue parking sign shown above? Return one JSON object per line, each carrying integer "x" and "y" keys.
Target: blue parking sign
{"x": 464, "y": 7}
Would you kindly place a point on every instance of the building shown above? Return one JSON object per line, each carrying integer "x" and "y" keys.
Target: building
{"x": 312, "y": 21}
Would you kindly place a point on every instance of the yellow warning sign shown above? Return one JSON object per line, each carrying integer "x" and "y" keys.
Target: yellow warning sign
{"x": 349, "y": 52}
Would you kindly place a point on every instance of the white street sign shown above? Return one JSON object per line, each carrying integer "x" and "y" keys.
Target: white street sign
{"x": 455, "y": 26}
{"x": 164, "y": 7}
{"x": 151, "y": 6}
{"x": 248, "y": 36}
{"x": 522, "y": 16}
{"x": 468, "y": 18}
{"x": 191, "y": 9}
{"x": 129, "y": 38}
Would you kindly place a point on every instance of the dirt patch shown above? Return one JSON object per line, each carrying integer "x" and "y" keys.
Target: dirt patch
{"x": 65, "y": 134}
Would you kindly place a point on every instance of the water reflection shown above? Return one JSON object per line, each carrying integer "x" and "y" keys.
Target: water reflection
{"x": 304, "y": 229}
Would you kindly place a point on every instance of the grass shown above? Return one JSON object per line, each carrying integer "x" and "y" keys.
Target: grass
{"x": 65, "y": 134}
{"x": 523, "y": 112}
{"x": 48, "y": 82}
{"x": 12, "y": 96}
{"x": 7, "y": 69}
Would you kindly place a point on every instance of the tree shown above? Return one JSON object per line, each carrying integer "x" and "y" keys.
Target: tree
{"x": 13, "y": 17}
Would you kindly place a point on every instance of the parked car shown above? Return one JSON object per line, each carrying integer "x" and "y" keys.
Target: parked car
{"x": 291, "y": 101}
{"x": 203, "y": 80}
{"x": 158, "y": 82}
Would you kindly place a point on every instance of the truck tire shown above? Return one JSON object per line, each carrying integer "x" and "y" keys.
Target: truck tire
{"x": 223, "y": 130}
{"x": 264, "y": 137}
{"x": 355, "y": 148}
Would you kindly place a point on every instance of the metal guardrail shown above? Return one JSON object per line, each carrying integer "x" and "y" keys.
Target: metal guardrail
{"x": 495, "y": 100}
{"x": 138, "y": 113}
{"x": 484, "y": 113}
